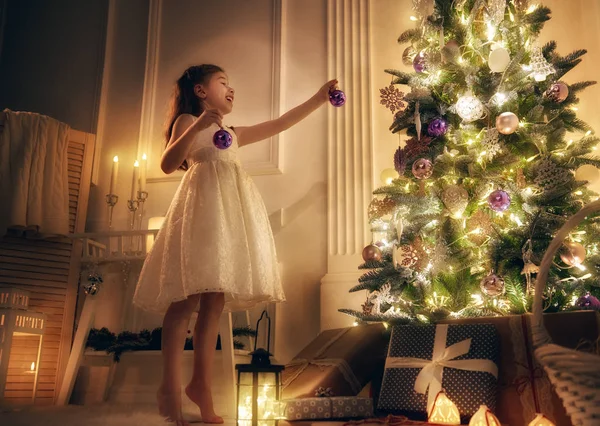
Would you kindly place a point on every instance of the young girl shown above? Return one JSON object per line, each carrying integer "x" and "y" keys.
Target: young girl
{"x": 215, "y": 249}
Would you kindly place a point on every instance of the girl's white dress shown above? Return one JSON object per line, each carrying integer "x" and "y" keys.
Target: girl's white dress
{"x": 216, "y": 236}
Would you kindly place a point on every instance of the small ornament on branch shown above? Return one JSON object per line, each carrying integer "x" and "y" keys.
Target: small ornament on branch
{"x": 371, "y": 253}
{"x": 491, "y": 143}
{"x": 492, "y": 285}
{"x": 499, "y": 59}
{"x": 437, "y": 127}
{"x": 558, "y": 92}
{"x": 378, "y": 208}
{"x": 572, "y": 253}
{"x": 588, "y": 302}
{"x": 422, "y": 169}
{"x": 392, "y": 98}
{"x": 456, "y": 199}
{"x": 499, "y": 200}
{"x": 540, "y": 68}
{"x": 550, "y": 175}
{"x": 495, "y": 11}
{"x": 529, "y": 267}
{"x": 469, "y": 108}
{"x": 507, "y": 123}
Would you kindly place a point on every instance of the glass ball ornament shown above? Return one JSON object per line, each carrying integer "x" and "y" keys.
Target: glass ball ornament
{"x": 572, "y": 253}
{"x": 588, "y": 302}
{"x": 492, "y": 285}
{"x": 437, "y": 127}
{"x": 499, "y": 200}
{"x": 408, "y": 55}
{"x": 420, "y": 62}
{"x": 222, "y": 139}
{"x": 337, "y": 98}
{"x": 469, "y": 108}
{"x": 422, "y": 168}
{"x": 507, "y": 123}
{"x": 371, "y": 253}
{"x": 499, "y": 59}
{"x": 557, "y": 92}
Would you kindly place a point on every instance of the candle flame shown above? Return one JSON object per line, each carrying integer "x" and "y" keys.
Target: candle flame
{"x": 144, "y": 156}
{"x": 136, "y": 164}
{"x": 116, "y": 158}
{"x": 33, "y": 366}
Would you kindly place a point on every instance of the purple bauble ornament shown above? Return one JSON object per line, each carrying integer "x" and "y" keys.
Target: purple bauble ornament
{"x": 588, "y": 302}
{"x": 437, "y": 127}
{"x": 499, "y": 200}
{"x": 420, "y": 62}
{"x": 422, "y": 168}
{"x": 337, "y": 98}
{"x": 222, "y": 139}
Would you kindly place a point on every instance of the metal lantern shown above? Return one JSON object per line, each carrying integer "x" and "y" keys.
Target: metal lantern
{"x": 259, "y": 386}
{"x": 19, "y": 328}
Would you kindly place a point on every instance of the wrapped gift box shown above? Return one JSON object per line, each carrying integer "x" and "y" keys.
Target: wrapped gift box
{"x": 461, "y": 359}
{"x": 327, "y": 408}
{"x": 524, "y": 389}
{"x": 344, "y": 360}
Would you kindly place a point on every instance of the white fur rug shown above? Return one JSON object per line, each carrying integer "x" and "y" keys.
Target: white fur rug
{"x": 90, "y": 415}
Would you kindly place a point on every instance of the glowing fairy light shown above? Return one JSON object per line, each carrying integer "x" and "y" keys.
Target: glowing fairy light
{"x": 413, "y": 18}
{"x": 491, "y": 31}
{"x": 589, "y": 132}
{"x": 531, "y": 9}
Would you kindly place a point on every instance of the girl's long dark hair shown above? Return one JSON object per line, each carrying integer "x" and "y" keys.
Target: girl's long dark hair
{"x": 184, "y": 100}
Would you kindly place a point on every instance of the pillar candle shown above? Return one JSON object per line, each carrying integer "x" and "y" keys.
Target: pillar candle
{"x": 143, "y": 173}
{"x": 134, "y": 181}
{"x": 113, "y": 176}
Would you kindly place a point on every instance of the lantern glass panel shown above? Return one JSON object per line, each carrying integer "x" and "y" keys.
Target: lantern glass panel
{"x": 245, "y": 402}
{"x": 245, "y": 378}
{"x": 266, "y": 378}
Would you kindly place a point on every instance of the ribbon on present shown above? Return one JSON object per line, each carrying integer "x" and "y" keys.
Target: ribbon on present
{"x": 339, "y": 363}
{"x": 430, "y": 376}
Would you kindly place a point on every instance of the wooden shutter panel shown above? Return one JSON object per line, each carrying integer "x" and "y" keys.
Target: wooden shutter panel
{"x": 49, "y": 269}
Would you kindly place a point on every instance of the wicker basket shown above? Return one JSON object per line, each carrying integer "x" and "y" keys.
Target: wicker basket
{"x": 575, "y": 375}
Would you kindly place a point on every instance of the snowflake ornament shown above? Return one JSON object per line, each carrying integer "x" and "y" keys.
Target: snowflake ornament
{"x": 392, "y": 98}
{"x": 491, "y": 143}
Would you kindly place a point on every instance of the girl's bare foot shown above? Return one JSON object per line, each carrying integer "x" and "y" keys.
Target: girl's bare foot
{"x": 169, "y": 406}
{"x": 202, "y": 397}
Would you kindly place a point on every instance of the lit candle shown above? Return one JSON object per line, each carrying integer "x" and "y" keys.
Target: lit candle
{"x": 134, "y": 181}
{"x": 143, "y": 173}
{"x": 113, "y": 176}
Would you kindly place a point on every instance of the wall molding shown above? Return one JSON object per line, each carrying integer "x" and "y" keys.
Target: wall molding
{"x": 274, "y": 163}
{"x": 111, "y": 23}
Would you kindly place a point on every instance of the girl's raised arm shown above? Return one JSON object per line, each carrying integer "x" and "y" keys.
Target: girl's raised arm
{"x": 250, "y": 134}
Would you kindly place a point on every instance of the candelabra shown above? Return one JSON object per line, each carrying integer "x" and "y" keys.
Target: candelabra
{"x": 142, "y": 196}
{"x": 111, "y": 200}
{"x": 132, "y": 205}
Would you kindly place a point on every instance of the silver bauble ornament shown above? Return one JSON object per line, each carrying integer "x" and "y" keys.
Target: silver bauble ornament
{"x": 507, "y": 123}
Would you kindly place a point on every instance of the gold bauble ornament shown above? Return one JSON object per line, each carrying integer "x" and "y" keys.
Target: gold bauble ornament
{"x": 408, "y": 55}
{"x": 455, "y": 198}
{"x": 507, "y": 123}
{"x": 371, "y": 253}
{"x": 572, "y": 253}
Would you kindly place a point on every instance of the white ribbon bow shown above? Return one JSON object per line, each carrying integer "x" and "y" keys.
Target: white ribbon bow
{"x": 430, "y": 376}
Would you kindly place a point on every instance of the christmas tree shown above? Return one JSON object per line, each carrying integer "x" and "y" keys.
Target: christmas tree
{"x": 494, "y": 162}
